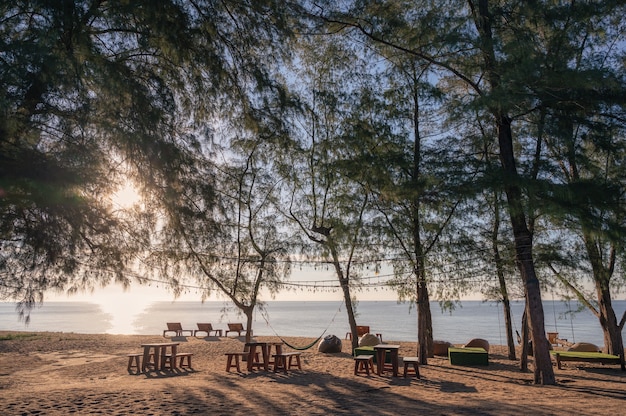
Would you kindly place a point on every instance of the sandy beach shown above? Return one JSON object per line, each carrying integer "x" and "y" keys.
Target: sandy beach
{"x": 47, "y": 373}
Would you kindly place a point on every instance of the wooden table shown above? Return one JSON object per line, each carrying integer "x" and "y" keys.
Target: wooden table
{"x": 252, "y": 355}
{"x": 159, "y": 349}
{"x": 381, "y": 350}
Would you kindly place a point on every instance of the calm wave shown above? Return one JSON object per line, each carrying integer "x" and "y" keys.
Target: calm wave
{"x": 397, "y": 322}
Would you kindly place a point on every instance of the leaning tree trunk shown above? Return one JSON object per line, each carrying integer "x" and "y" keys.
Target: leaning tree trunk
{"x": 544, "y": 373}
{"x": 524, "y": 341}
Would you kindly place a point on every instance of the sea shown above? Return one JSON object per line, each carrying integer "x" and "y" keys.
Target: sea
{"x": 395, "y": 321}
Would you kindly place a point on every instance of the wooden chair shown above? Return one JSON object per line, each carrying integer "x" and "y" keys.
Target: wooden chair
{"x": 362, "y": 330}
{"x": 238, "y": 328}
{"x": 207, "y": 328}
{"x": 177, "y": 329}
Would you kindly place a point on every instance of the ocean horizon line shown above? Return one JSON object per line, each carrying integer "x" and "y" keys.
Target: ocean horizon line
{"x": 311, "y": 318}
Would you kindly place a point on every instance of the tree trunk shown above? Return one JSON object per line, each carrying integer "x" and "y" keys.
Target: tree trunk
{"x": 424, "y": 323}
{"x": 344, "y": 281}
{"x": 248, "y": 312}
{"x": 424, "y": 317}
{"x": 351, "y": 318}
{"x": 544, "y": 373}
{"x": 613, "y": 341}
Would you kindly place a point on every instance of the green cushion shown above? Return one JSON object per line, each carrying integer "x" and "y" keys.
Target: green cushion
{"x": 468, "y": 356}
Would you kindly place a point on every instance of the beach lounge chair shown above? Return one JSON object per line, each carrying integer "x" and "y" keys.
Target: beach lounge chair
{"x": 237, "y": 327}
{"x": 177, "y": 329}
{"x": 207, "y": 328}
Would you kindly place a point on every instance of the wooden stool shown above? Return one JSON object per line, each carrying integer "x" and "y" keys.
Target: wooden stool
{"x": 166, "y": 361}
{"x": 235, "y": 356}
{"x": 182, "y": 356}
{"x": 285, "y": 361}
{"x": 134, "y": 362}
{"x": 150, "y": 361}
{"x": 280, "y": 362}
{"x": 291, "y": 356}
{"x": 363, "y": 363}
{"x": 411, "y": 361}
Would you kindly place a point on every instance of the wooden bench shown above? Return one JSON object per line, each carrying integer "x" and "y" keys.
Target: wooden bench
{"x": 284, "y": 361}
{"x": 586, "y": 357}
{"x": 408, "y": 361}
{"x": 233, "y": 360}
{"x": 363, "y": 364}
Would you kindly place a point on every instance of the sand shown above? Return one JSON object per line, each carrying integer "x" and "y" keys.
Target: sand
{"x": 64, "y": 373}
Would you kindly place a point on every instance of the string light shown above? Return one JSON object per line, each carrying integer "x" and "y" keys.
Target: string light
{"x": 466, "y": 271}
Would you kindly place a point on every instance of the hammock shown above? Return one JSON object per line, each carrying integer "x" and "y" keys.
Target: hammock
{"x": 306, "y": 347}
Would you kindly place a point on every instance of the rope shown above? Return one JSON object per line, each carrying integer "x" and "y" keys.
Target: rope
{"x": 499, "y": 323}
{"x": 306, "y": 347}
{"x": 571, "y": 321}
{"x": 556, "y": 329}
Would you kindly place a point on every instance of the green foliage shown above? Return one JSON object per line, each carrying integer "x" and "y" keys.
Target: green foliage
{"x": 95, "y": 94}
